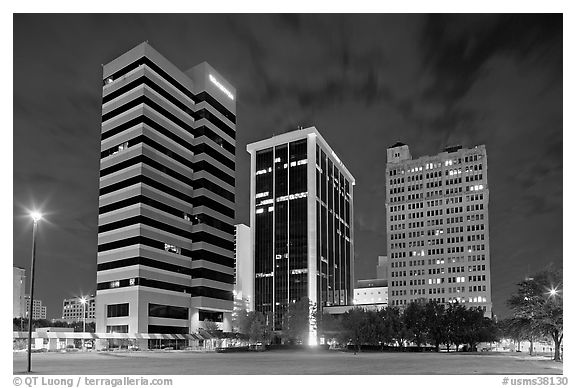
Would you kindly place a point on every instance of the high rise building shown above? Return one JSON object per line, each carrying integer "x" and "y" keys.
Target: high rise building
{"x": 437, "y": 227}
{"x": 382, "y": 267}
{"x": 244, "y": 287}
{"x": 73, "y": 310}
{"x": 38, "y": 310}
{"x": 301, "y": 213}
{"x": 18, "y": 292}
{"x": 167, "y": 196}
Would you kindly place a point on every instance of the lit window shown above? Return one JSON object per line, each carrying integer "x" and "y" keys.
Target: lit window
{"x": 258, "y": 211}
{"x": 115, "y": 284}
{"x": 171, "y": 248}
{"x": 264, "y": 194}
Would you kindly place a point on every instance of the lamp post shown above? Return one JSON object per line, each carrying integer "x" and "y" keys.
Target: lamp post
{"x": 83, "y": 302}
{"x": 35, "y": 217}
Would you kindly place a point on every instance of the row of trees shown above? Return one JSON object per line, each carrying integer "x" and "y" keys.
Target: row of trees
{"x": 259, "y": 327}
{"x": 419, "y": 323}
{"x": 537, "y": 315}
{"x": 21, "y": 324}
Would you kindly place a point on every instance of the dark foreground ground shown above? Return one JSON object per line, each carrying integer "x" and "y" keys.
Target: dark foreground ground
{"x": 284, "y": 362}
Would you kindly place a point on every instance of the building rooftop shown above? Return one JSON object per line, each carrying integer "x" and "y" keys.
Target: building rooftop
{"x": 371, "y": 283}
{"x": 298, "y": 134}
{"x": 397, "y": 144}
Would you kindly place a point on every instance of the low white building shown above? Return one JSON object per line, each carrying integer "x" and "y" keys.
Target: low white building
{"x": 371, "y": 292}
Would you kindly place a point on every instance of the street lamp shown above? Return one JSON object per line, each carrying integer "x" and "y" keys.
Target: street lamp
{"x": 553, "y": 292}
{"x": 36, "y": 216}
{"x": 83, "y": 302}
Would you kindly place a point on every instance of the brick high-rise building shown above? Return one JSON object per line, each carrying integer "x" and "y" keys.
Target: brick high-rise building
{"x": 437, "y": 227}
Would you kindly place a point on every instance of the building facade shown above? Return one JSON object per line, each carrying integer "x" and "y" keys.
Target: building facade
{"x": 301, "y": 212}
{"x": 74, "y": 311}
{"x": 437, "y": 227}
{"x": 382, "y": 267}
{"x": 38, "y": 309}
{"x": 371, "y": 292}
{"x": 18, "y": 292}
{"x": 167, "y": 196}
{"x": 244, "y": 287}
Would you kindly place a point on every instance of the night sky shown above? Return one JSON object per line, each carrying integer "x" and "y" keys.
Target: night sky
{"x": 364, "y": 81}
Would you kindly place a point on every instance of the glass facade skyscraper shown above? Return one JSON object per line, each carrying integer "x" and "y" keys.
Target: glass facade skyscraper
{"x": 301, "y": 215}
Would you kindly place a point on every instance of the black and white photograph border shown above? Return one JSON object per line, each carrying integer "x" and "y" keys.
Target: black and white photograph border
{"x": 369, "y": 98}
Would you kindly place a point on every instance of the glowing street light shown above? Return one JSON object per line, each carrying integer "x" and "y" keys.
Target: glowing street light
{"x": 36, "y": 216}
{"x": 553, "y": 291}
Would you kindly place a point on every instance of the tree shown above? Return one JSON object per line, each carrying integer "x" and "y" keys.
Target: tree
{"x": 255, "y": 325}
{"x": 210, "y": 326}
{"x": 260, "y": 329}
{"x": 328, "y": 325}
{"x": 413, "y": 318}
{"x": 355, "y": 326}
{"x": 296, "y": 325}
{"x": 539, "y": 302}
{"x": 390, "y": 324}
{"x": 240, "y": 321}
{"x": 434, "y": 318}
{"x": 473, "y": 324}
{"x": 520, "y": 329}
{"x": 395, "y": 326}
{"x": 454, "y": 322}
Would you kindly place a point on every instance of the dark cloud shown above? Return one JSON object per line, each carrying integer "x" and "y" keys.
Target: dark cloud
{"x": 365, "y": 81}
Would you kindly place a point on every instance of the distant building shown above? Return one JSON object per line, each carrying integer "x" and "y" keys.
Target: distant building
{"x": 72, "y": 309}
{"x": 244, "y": 287}
{"x": 371, "y": 292}
{"x": 18, "y": 293}
{"x": 382, "y": 267}
{"x": 301, "y": 217}
{"x": 38, "y": 310}
{"x": 437, "y": 227}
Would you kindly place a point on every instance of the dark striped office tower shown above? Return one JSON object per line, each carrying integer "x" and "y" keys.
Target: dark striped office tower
{"x": 166, "y": 208}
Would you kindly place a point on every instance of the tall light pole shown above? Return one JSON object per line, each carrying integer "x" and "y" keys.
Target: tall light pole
{"x": 83, "y": 301}
{"x": 35, "y": 217}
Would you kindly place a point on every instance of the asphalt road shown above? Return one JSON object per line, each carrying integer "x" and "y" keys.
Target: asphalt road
{"x": 284, "y": 362}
